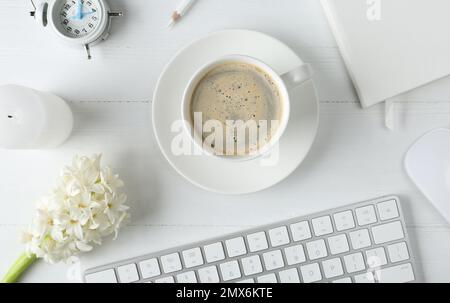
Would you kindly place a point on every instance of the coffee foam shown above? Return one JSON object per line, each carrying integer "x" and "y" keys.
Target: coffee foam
{"x": 236, "y": 91}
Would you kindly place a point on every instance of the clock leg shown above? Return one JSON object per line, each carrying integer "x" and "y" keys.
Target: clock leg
{"x": 88, "y": 51}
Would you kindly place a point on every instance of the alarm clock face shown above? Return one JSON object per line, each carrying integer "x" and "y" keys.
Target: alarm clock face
{"x": 77, "y": 18}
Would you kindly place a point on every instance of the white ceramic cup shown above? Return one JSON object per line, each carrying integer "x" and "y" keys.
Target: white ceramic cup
{"x": 285, "y": 83}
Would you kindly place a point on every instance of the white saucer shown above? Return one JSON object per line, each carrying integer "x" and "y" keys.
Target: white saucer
{"x": 218, "y": 175}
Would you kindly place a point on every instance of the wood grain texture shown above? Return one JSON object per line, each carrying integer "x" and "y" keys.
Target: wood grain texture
{"x": 354, "y": 157}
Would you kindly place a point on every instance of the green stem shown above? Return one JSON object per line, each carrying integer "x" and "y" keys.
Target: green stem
{"x": 18, "y": 268}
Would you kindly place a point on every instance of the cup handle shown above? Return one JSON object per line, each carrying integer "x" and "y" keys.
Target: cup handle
{"x": 297, "y": 76}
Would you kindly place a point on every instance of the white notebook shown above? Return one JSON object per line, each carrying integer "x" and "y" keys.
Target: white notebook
{"x": 391, "y": 46}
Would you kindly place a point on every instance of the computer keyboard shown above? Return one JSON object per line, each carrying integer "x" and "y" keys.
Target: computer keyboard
{"x": 360, "y": 243}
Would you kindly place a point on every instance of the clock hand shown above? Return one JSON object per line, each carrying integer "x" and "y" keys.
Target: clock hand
{"x": 87, "y": 13}
{"x": 80, "y": 10}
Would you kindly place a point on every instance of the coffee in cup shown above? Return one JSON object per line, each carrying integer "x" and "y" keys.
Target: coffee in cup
{"x": 237, "y": 107}
{"x": 237, "y": 93}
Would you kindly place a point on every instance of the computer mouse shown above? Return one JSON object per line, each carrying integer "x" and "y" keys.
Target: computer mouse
{"x": 427, "y": 163}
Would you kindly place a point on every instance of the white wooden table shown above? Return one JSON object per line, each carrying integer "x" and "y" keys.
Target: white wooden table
{"x": 354, "y": 158}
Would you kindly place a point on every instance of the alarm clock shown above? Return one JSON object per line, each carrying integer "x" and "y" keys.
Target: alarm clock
{"x": 77, "y": 22}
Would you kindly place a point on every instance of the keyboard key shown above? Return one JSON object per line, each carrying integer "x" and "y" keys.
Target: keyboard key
{"x": 257, "y": 242}
{"x": 214, "y": 252}
{"x": 289, "y": 276}
{"x": 165, "y": 280}
{"x": 398, "y": 252}
{"x": 273, "y": 260}
{"x": 251, "y": 265}
{"x": 338, "y": 244}
{"x": 311, "y": 273}
{"x": 270, "y": 278}
{"x": 187, "y": 277}
{"x": 230, "y": 270}
{"x": 208, "y": 275}
{"x": 316, "y": 249}
{"x": 192, "y": 257}
{"x": 397, "y": 274}
{"x": 366, "y": 215}
{"x": 106, "y": 276}
{"x": 388, "y": 210}
{"x": 322, "y": 226}
{"x": 128, "y": 273}
{"x": 376, "y": 257}
{"x": 171, "y": 263}
{"x": 279, "y": 236}
{"x": 354, "y": 263}
{"x": 344, "y": 280}
{"x": 149, "y": 268}
{"x": 365, "y": 278}
{"x": 332, "y": 268}
{"x": 344, "y": 220}
{"x": 247, "y": 281}
{"x": 360, "y": 239}
{"x": 294, "y": 254}
{"x": 236, "y": 247}
{"x": 387, "y": 232}
{"x": 300, "y": 231}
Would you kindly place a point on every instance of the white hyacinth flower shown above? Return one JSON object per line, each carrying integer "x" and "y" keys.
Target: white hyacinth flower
{"x": 86, "y": 206}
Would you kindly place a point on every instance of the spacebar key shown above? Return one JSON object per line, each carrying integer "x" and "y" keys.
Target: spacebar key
{"x": 397, "y": 274}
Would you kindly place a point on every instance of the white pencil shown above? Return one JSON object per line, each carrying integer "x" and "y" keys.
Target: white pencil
{"x": 181, "y": 11}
